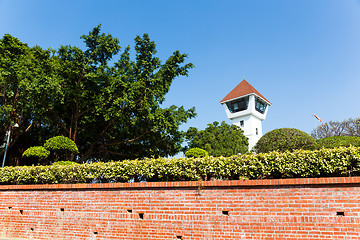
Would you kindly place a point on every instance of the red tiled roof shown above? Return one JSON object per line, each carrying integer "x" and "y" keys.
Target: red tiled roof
{"x": 244, "y": 88}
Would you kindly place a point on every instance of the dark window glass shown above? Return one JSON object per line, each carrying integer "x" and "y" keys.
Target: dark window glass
{"x": 238, "y": 105}
{"x": 260, "y": 106}
{"x": 242, "y": 123}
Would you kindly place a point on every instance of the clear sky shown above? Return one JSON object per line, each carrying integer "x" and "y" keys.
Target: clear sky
{"x": 302, "y": 55}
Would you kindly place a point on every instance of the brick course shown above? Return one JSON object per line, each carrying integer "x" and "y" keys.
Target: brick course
{"x": 309, "y": 208}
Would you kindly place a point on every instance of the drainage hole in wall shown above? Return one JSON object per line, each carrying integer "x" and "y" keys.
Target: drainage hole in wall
{"x": 10, "y": 207}
{"x": 340, "y": 213}
{"x": 21, "y": 211}
{"x": 179, "y": 237}
{"x": 95, "y": 233}
{"x": 62, "y": 209}
{"x": 32, "y": 229}
{"x": 141, "y": 215}
{"x": 225, "y": 213}
{"x": 129, "y": 210}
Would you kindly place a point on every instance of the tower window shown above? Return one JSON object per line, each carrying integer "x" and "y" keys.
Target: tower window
{"x": 238, "y": 105}
{"x": 257, "y": 131}
{"x": 260, "y": 105}
{"x": 242, "y": 123}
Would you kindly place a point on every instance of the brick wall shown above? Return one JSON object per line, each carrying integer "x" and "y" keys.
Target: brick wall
{"x": 323, "y": 208}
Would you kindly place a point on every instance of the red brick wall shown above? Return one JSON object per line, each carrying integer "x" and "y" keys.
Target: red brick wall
{"x": 255, "y": 209}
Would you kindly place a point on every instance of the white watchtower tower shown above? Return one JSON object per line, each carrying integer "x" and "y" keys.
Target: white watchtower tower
{"x": 246, "y": 107}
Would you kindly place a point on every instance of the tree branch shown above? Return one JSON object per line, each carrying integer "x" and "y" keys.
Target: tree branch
{"x": 59, "y": 119}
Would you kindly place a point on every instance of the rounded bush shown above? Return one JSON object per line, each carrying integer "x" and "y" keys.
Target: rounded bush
{"x": 285, "y": 139}
{"x": 338, "y": 141}
{"x": 38, "y": 152}
{"x": 196, "y": 153}
{"x": 62, "y": 144}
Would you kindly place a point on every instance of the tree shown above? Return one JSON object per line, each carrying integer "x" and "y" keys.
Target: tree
{"x": 349, "y": 127}
{"x": 218, "y": 139}
{"x": 21, "y": 69}
{"x": 110, "y": 109}
{"x": 284, "y": 139}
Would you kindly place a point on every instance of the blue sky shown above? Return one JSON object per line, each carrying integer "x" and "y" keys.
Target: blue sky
{"x": 302, "y": 55}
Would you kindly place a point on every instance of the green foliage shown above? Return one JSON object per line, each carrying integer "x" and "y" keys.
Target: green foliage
{"x": 284, "y": 139}
{"x": 338, "y": 141}
{"x": 63, "y": 163}
{"x": 297, "y": 164}
{"x": 61, "y": 144}
{"x": 196, "y": 153}
{"x": 107, "y": 103}
{"x": 54, "y": 149}
{"x": 38, "y": 152}
{"x": 218, "y": 139}
{"x": 22, "y": 71}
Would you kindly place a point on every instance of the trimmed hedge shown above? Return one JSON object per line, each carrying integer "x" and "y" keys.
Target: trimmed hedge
{"x": 338, "y": 141}
{"x": 64, "y": 163}
{"x": 296, "y": 164}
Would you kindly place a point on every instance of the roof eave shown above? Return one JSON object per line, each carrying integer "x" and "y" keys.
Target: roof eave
{"x": 269, "y": 103}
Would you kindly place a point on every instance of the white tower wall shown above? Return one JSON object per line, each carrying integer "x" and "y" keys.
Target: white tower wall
{"x": 249, "y": 120}
{"x": 252, "y": 128}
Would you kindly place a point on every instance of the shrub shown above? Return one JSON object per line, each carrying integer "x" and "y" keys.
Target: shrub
{"x": 54, "y": 149}
{"x": 62, "y": 144}
{"x": 64, "y": 163}
{"x": 38, "y": 152}
{"x": 284, "y": 139}
{"x": 338, "y": 141}
{"x": 196, "y": 153}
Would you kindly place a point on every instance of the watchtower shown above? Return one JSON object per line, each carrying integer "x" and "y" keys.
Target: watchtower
{"x": 247, "y": 108}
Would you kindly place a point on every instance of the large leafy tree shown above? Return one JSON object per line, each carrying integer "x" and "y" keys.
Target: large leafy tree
{"x": 218, "y": 139}
{"x": 22, "y": 70}
{"x": 108, "y": 104}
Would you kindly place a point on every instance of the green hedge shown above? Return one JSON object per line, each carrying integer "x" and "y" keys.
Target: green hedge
{"x": 338, "y": 141}
{"x": 300, "y": 163}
